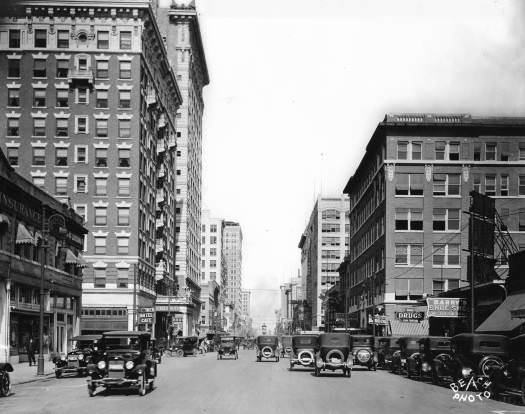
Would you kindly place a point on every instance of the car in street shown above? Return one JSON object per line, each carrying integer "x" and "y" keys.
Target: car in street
{"x": 510, "y": 378}
{"x": 185, "y": 345}
{"x": 127, "y": 362}
{"x": 86, "y": 348}
{"x": 267, "y": 347}
{"x": 5, "y": 380}
{"x": 421, "y": 364}
{"x": 386, "y": 347}
{"x": 364, "y": 352}
{"x": 334, "y": 353}
{"x": 304, "y": 349}
{"x": 227, "y": 347}
{"x": 286, "y": 346}
{"x": 408, "y": 345}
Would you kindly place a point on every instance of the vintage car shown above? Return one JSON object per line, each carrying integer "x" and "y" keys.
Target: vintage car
{"x": 186, "y": 345}
{"x": 126, "y": 362}
{"x": 86, "y": 348}
{"x": 386, "y": 347}
{"x": 421, "y": 363}
{"x": 334, "y": 353}
{"x": 227, "y": 347}
{"x": 286, "y": 346}
{"x": 363, "y": 350}
{"x": 472, "y": 356}
{"x": 408, "y": 345}
{"x": 266, "y": 347}
{"x": 249, "y": 343}
{"x": 5, "y": 381}
{"x": 510, "y": 377}
{"x": 304, "y": 348}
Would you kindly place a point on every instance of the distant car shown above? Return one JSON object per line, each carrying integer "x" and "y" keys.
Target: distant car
{"x": 408, "y": 345}
{"x": 286, "y": 346}
{"x": 510, "y": 377}
{"x": 386, "y": 347}
{"x": 186, "y": 345}
{"x": 5, "y": 381}
{"x": 227, "y": 347}
{"x": 334, "y": 353}
{"x": 304, "y": 348}
{"x": 421, "y": 363}
{"x": 266, "y": 347}
{"x": 86, "y": 349}
{"x": 364, "y": 352}
{"x": 127, "y": 362}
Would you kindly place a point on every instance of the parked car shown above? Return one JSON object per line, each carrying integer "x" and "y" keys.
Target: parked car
{"x": 186, "y": 345}
{"x": 472, "y": 356}
{"x": 421, "y": 363}
{"x": 511, "y": 376}
{"x": 126, "y": 362}
{"x": 286, "y": 346}
{"x": 5, "y": 381}
{"x": 266, "y": 347}
{"x": 304, "y": 349}
{"x": 334, "y": 353}
{"x": 86, "y": 348}
{"x": 386, "y": 347}
{"x": 408, "y": 345}
{"x": 364, "y": 352}
{"x": 227, "y": 347}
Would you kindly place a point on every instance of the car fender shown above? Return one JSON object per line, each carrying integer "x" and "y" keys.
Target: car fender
{"x": 6, "y": 366}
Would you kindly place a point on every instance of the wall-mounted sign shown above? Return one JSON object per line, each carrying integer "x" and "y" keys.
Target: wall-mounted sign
{"x": 410, "y": 315}
{"x": 378, "y": 319}
{"x": 446, "y": 307}
{"x": 146, "y": 315}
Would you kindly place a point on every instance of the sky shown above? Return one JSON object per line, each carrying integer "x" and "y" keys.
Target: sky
{"x": 298, "y": 86}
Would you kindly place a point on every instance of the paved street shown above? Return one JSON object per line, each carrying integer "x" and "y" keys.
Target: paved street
{"x": 204, "y": 385}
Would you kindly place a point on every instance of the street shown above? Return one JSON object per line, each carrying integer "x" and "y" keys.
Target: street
{"x": 203, "y": 384}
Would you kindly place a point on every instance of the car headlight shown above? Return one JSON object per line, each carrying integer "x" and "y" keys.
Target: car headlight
{"x": 466, "y": 371}
{"x": 101, "y": 364}
{"x": 80, "y": 357}
{"x": 129, "y": 365}
{"x": 63, "y": 357}
{"x": 425, "y": 366}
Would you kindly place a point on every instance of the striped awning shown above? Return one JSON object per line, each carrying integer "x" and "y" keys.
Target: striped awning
{"x": 70, "y": 257}
{"x": 402, "y": 328}
{"x": 4, "y": 219}
{"x": 23, "y": 236}
{"x": 81, "y": 262}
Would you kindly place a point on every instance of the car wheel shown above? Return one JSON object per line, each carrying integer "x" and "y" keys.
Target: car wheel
{"x": 316, "y": 371}
{"x": 217, "y": 357}
{"x": 160, "y": 360}
{"x": 5, "y": 384}
{"x": 151, "y": 385}
{"x": 349, "y": 372}
{"x": 276, "y": 359}
{"x": 58, "y": 373}
{"x": 291, "y": 366}
{"x": 179, "y": 353}
{"x": 434, "y": 377}
{"x": 91, "y": 390}
{"x": 142, "y": 386}
{"x": 409, "y": 374}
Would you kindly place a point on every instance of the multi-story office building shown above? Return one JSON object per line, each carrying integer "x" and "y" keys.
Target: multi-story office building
{"x": 232, "y": 246}
{"x": 245, "y": 302}
{"x": 90, "y": 100}
{"x": 323, "y": 245}
{"x": 408, "y": 230}
{"x": 180, "y": 27}
{"x": 212, "y": 271}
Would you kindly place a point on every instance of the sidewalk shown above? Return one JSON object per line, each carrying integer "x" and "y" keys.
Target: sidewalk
{"x": 23, "y": 373}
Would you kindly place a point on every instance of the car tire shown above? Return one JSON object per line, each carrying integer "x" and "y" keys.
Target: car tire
{"x": 317, "y": 371}
{"x": 291, "y": 366}
{"x": 179, "y": 353}
{"x": 217, "y": 357}
{"x": 434, "y": 377}
{"x": 5, "y": 384}
{"x": 349, "y": 372}
{"x": 276, "y": 359}
{"x": 142, "y": 386}
{"x": 409, "y": 373}
{"x": 151, "y": 385}
{"x": 58, "y": 373}
{"x": 91, "y": 390}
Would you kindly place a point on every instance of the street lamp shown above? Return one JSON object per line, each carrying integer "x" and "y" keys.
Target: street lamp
{"x": 62, "y": 231}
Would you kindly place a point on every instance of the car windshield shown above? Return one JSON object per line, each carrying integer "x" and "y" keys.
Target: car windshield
{"x": 84, "y": 344}
{"x": 122, "y": 343}
{"x": 267, "y": 340}
{"x": 226, "y": 340}
{"x": 305, "y": 341}
{"x": 362, "y": 340}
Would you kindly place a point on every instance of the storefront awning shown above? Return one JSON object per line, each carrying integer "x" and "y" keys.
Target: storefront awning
{"x": 501, "y": 319}
{"x": 401, "y": 328}
{"x": 23, "y": 235}
{"x": 70, "y": 257}
{"x": 81, "y": 262}
{"x": 4, "y": 219}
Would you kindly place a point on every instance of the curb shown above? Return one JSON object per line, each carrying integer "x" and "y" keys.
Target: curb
{"x": 39, "y": 378}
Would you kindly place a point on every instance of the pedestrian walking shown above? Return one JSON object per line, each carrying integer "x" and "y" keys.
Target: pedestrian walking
{"x": 30, "y": 348}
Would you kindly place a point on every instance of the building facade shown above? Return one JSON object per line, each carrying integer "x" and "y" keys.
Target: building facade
{"x": 245, "y": 302}
{"x": 36, "y": 229}
{"x": 232, "y": 245}
{"x": 180, "y": 27}
{"x": 408, "y": 227}
{"x": 323, "y": 246}
{"x": 90, "y": 101}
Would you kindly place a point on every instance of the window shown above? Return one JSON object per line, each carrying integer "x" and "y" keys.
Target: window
{"x": 80, "y": 184}
{"x": 62, "y": 68}
{"x": 122, "y": 245}
{"x": 13, "y": 97}
{"x": 101, "y": 128}
{"x": 100, "y": 246}
{"x": 39, "y": 97}
{"x": 102, "y": 40}
{"x": 39, "y": 68}
{"x": 102, "y": 99}
{"x": 82, "y": 64}
{"x": 124, "y": 157}
{"x": 14, "y": 39}
{"x": 63, "y": 39}
{"x": 522, "y": 151}
{"x": 213, "y": 263}
{"x": 124, "y": 128}
{"x": 13, "y": 127}
{"x": 402, "y": 150}
{"x": 213, "y": 239}
{"x": 416, "y": 150}
{"x": 490, "y": 151}
{"x": 125, "y": 70}
{"x": 101, "y": 157}
{"x": 521, "y": 220}
{"x": 40, "y": 38}
{"x": 445, "y": 219}
{"x": 39, "y": 181}
{"x": 101, "y": 186}
{"x": 39, "y": 156}
{"x": 82, "y": 96}
{"x": 61, "y": 157}
{"x": 124, "y": 99}
{"x": 62, "y": 98}
{"x": 102, "y": 69}
{"x": 13, "y": 68}
{"x": 125, "y": 40}
{"x": 123, "y": 278}
{"x": 39, "y": 127}
{"x": 409, "y": 255}
{"x": 409, "y": 184}
{"x": 81, "y": 210}
{"x": 82, "y": 124}
{"x": 476, "y": 182}
{"x": 213, "y": 251}
{"x": 81, "y": 156}
{"x": 213, "y": 228}
{"x": 440, "y": 148}
{"x": 453, "y": 151}
{"x": 438, "y": 286}
{"x": 60, "y": 186}
{"x": 452, "y": 284}
{"x": 490, "y": 185}
{"x": 446, "y": 184}
{"x": 409, "y": 219}
{"x": 521, "y": 185}
{"x": 12, "y": 155}
{"x": 123, "y": 186}
{"x": 477, "y": 152}
{"x": 123, "y": 216}
{"x": 445, "y": 255}
{"x": 101, "y": 216}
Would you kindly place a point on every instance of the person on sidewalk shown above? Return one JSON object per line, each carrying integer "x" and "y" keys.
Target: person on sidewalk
{"x": 30, "y": 348}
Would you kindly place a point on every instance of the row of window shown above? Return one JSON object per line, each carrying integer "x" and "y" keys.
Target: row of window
{"x": 442, "y": 254}
{"x": 213, "y": 251}
{"x": 412, "y": 184}
{"x": 213, "y": 228}
{"x": 443, "y": 219}
{"x": 81, "y": 185}
{"x": 213, "y": 263}
{"x": 213, "y": 240}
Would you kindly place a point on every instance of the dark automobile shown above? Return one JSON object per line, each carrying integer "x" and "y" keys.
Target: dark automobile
{"x": 510, "y": 377}
{"x": 186, "y": 345}
{"x": 472, "y": 356}
{"x": 5, "y": 381}
{"x": 227, "y": 347}
{"x": 408, "y": 345}
{"x": 126, "y": 362}
{"x": 157, "y": 349}
{"x": 286, "y": 346}
{"x": 266, "y": 347}
{"x": 334, "y": 353}
{"x": 304, "y": 348}
{"x": 421, "y": 363}
{"x": 386, "y": 347}
{"x": 86, "y": 350}
{"x": 363, "y": 350}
